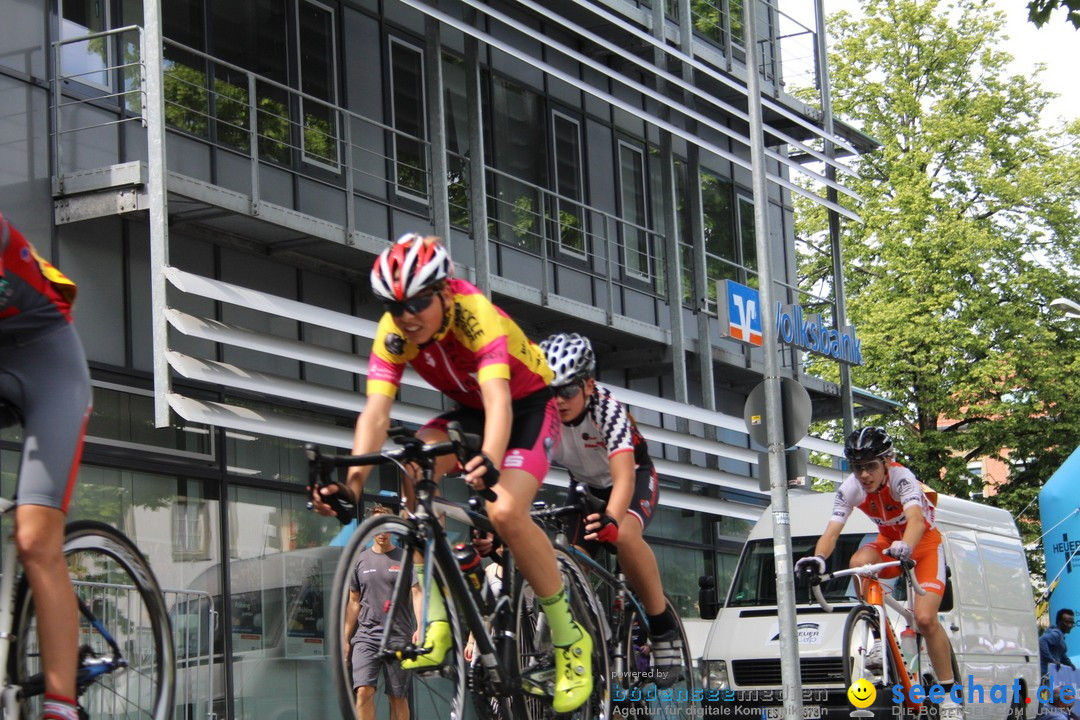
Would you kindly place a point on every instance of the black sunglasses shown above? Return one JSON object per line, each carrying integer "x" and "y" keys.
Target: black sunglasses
{"x": 413, "y": 306}
{"x": 568, "y": 392}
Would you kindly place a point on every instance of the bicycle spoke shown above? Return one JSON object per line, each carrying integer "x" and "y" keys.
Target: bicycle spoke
{"x": 125, "y": 642}
{"x": 435, "y": 692}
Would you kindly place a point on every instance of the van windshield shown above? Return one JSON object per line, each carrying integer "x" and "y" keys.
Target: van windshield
{"x": 755, "y": 579}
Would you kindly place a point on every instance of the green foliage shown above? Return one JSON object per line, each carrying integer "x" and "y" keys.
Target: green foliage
{"x": 1039, "y": 11}
{"x": 970, "y": 229}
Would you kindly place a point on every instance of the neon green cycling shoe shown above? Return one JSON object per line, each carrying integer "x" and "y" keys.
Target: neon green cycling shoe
{"x": 437, "y": 642}
{"x": 573, "y": 674}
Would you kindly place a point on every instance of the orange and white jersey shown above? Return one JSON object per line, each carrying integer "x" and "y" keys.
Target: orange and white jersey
{"x": 886, "y": 506}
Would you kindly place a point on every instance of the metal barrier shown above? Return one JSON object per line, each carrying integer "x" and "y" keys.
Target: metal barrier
{"x": 194, "y": 622}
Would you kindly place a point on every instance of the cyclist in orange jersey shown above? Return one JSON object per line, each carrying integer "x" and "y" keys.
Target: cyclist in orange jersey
{"x": 895, "y": 501}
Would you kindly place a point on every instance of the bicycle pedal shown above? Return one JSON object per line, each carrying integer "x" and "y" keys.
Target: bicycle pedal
{"x": 539, "y": 680}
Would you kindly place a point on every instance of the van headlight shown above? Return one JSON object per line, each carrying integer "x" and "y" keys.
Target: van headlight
{"x": 714, "y": 675}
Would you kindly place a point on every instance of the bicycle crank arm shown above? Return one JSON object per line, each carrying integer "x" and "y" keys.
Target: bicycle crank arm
{"x": 539, "y": 680}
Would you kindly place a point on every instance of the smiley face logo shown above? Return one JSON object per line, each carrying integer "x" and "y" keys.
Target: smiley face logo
{"x": 861, "y": 693}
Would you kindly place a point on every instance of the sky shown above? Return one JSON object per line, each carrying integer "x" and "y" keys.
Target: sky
{"x": 1057, "y": 44}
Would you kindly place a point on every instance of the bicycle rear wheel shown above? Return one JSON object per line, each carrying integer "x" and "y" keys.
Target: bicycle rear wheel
{"x": 536, "y": 651}
{"x": 643, "y": 686}
{"x": 126, "y": 657}
{"x": 436, "y": 692}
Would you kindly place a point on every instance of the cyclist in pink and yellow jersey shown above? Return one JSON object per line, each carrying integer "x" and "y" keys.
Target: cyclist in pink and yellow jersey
{"x": 469, "y": 349}
{"x": 45, "y": 386}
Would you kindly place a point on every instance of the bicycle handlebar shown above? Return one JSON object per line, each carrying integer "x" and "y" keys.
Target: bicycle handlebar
{"x": 872, "y": 569}
{"x": 412, "y": 450}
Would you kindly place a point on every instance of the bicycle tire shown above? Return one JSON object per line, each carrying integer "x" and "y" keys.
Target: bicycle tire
{"x": 439, "y": 692}
{"x": 107, "y": 570}
{"x": 536, "y": 652}
{"x": 862, "y": 634}
{"x": 642, "y": 691}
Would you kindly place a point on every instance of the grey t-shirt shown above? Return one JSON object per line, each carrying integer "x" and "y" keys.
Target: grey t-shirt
{"x": 374, "y": 577}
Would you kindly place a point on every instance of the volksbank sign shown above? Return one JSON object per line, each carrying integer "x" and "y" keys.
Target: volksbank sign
{"x": 740, "y": 318}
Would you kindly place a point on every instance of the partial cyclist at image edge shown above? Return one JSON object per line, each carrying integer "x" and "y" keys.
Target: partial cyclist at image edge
{"x": 467, "y": 348}
{"x": 602, "y": 448}
{"x": 890, "y": 495}
{"x": 45, "y": 385}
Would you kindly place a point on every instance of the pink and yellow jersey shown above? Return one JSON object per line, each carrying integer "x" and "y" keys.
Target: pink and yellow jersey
{"x": 480, "y": 342}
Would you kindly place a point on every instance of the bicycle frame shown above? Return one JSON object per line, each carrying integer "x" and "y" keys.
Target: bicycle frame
{"x": 7, "y": 617}
{"x": 437, "y": 548}
{"x": 874, "y": 595}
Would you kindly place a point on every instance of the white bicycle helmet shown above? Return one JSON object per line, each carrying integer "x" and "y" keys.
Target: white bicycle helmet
{"x": 570, "y": 356}
{"x": 408, "y": 267}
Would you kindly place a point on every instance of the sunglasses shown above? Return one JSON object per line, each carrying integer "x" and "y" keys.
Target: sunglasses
{"x": 413, "y": 306}
{"x": 868, "y": 467}
{"x": 569, "y": 392}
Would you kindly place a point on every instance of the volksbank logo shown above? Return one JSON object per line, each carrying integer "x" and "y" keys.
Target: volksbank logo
{"x": 740, "y": 319}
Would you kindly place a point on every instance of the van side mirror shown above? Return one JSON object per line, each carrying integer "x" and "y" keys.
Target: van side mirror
{"x": 708, "y": 603}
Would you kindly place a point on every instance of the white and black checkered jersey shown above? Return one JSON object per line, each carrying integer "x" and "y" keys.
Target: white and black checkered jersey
{"x": 605, "y": 428}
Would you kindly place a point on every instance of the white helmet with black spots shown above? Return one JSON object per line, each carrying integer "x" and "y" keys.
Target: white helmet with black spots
{"x": 408, "y": 267}
{"x": 570, "y": 357}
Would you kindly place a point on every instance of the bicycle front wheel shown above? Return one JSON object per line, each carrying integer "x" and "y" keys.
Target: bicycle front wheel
{"x": 433, "y": 692}
{"x": 666, "y": 694}
{"x": 126, "y": 658}
{"x": 864, "y": 649}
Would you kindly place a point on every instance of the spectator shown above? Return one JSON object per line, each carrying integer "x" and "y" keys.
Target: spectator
{"x": 370, "y": 592}
{"x": 1061, "y": 706}
{"x": 1052, "y": 648}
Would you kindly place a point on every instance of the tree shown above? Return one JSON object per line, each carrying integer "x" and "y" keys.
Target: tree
{"x": 1039, "y": 11}
{"x": 971, "y": 227}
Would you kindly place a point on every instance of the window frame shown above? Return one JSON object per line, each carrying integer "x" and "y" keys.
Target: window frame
{"x": 400, "y": 190}
{"x": 332, "y": 83}
{"x": 649, "y": 275}
{"x": 564, "y": 248}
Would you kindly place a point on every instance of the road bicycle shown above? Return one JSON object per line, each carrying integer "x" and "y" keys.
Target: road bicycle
{"x": 872, "y": 645}
{"x": 637, "y": 687}
{"x": 512, "y": 675}
{"x": 126, "y": 658}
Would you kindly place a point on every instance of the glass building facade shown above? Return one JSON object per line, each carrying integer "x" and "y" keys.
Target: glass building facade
{"x": 219, "y": 202}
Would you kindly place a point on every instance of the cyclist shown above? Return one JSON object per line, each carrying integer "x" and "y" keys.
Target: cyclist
{"x": 896, "y": 502}
{"x": 45, "y": 385}
{"x": 469, "y": 349}
{"x": 602, "y": 449}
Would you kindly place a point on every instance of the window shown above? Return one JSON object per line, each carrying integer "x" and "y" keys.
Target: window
{"x": 636, "y": 239}
{"x": 457, "y": 140}
{"x": 86, "y": 61}
{"x": 407, "y": 119}
{"x": 716, "y": 202}
{"x": 190, "y": 529}
{"x": 318, "y": 78}
{"x": 747, "y": 247}
{"x": 568, "y": 214}
{"x": 519, "y": 156}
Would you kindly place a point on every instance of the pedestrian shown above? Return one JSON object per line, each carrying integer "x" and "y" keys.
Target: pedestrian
{"x": 372, "y": 587}
{"x": 1052, "y": 648}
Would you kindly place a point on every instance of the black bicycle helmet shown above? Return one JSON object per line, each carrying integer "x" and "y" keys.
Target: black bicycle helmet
{"x": 868, "y": 444}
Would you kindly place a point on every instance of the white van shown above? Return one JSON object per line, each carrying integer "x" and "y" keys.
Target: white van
{"x": 987, "y": 612}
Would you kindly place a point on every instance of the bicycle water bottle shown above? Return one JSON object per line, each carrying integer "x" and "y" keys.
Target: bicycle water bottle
{"x": 908, "y": 644}
{"x": 469, "y": 563}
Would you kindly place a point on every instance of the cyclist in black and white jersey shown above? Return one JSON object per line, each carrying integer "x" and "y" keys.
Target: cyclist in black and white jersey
{"x": 603, "y": 450}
